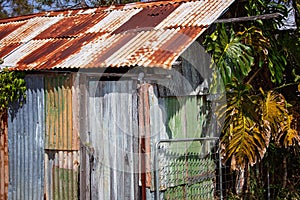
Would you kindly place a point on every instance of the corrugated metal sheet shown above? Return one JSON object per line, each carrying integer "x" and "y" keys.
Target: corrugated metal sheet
{"x": 29, "y": 30}
{"x": 3, "y": 158}
{"x": 6, "y": 49}
{"x": 6, "y": 29}
{"x": 112, "y": 142}
{"x": 151, "y": 34}
{"x": 61, "y": 175}
{"x": 184, "y": 116}
{"x": 186, "y": 119}
{"x": 60, "y": 134}
{"x": 26, "y": 143}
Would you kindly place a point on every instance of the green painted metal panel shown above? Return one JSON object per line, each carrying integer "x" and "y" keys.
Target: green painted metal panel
{"x": 60, "y": 134}
{"x": 186, "y": 118}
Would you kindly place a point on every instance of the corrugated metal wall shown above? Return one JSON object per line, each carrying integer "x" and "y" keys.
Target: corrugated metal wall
{"x": 60, "y": 134}
{"x": 112, "y": 142}
{"x": 43, "y": 150}
{"x": 3, "y": 158}
{"x": 61, "y": 139}
{"x": 26, "y": 144}
{"x": 61, "y": 174}
{"x": 185, "y": 116}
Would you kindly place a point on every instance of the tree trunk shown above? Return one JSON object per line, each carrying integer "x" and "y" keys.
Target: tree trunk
{"x": 246, "y": 180}
{"x": 284, "y": 169}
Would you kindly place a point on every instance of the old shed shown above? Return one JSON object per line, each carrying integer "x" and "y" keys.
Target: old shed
{"x": 104, "y": 85}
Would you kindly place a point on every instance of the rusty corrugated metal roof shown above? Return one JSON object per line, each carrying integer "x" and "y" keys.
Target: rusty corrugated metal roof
{"x": 151, "y": 34}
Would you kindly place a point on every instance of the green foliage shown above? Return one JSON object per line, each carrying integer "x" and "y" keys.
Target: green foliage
{"x": 277, "y": 172}
{"x": 275, "y": 54}
{"x": 260, "y": 7}
{"x": 232, "y": 58}
{"x": 245, "y": 135}
{"x": 235, "y": 54}
{"x": 12, "y": 88}
{"x": 251, "y": 122}
{"x": 243, "y": 55}
{"x": 254, "y": 38}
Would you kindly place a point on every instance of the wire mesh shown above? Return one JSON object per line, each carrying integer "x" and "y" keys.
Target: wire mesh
{"x": 188, "y": 169}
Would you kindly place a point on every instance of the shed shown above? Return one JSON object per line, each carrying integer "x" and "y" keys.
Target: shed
{"x": 103, "y": 86}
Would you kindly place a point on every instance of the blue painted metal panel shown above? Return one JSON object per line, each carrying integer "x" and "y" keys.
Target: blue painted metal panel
{"x": 26, "y": 143}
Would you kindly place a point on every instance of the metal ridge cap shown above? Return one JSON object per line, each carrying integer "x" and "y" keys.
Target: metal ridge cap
{"x": 80, "y": 11}
{"x": 21, "y": 18}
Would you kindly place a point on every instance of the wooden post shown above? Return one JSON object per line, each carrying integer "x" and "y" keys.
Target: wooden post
{"x": 144, "y": 134}
{"x": 85, "y": 188}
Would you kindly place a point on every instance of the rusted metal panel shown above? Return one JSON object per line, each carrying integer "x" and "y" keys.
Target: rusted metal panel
{"x": 133, "y": 47}
{"x": 26, "y": 143}
{"x": 145, "y": 48}
{"x": 22, "y": 51}
{"x": 113, "y": 20}
{"x": 30, "y": 29}
{"x": 61, "y": 175}
{"x": 59, "y": 134}
{"x": 71, "y": 26}
{"x": 151, "y": 34}
{"x": 111, "y": 143}
{"x": 138, "y": 20}
{"x": 8, "y": 28}
{"x": 3, "y": 157}
{"x": 6, "y": 49}
{"x": 194, "y": 13}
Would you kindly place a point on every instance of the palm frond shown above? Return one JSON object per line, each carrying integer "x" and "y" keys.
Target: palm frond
{"x": 244, "y": 139}
{"x": 274, "y": 111}
{"x": 231, "y": 56}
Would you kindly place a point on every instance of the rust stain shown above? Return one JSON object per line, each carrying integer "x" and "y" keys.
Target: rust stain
{"x": 66, "y": 50}
{"x": 6, "y": 49}
{"x": 113, "y": 48}
{"x": 71, "y": 26}
{"x": 149, "y": 34}
{"x": 147, "y": 18}
{"x": 171, "y": 48}
{"x": 21, "y": 18}
{"x": 6, "y": 29}
{"x": 3, "y": 157}
{"x": 43, "y": 51}
{"x": 54, "y": 52}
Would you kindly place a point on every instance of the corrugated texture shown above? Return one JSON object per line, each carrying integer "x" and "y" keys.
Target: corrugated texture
{"x": 6, "y": 29}
{"x": 158, "y": 128}
{"x": 26, "y": 143}
{"x": 112, "y": 142}
{"x": 29, "y": 30}
{"x": 152, "y": 34}
{"x": 59, "y": 134}
{"x": 6, "y": 49}
{"x": 185, "y": 117}
{"x": 3, "y": 158}
{"x": 61, "y": 175}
